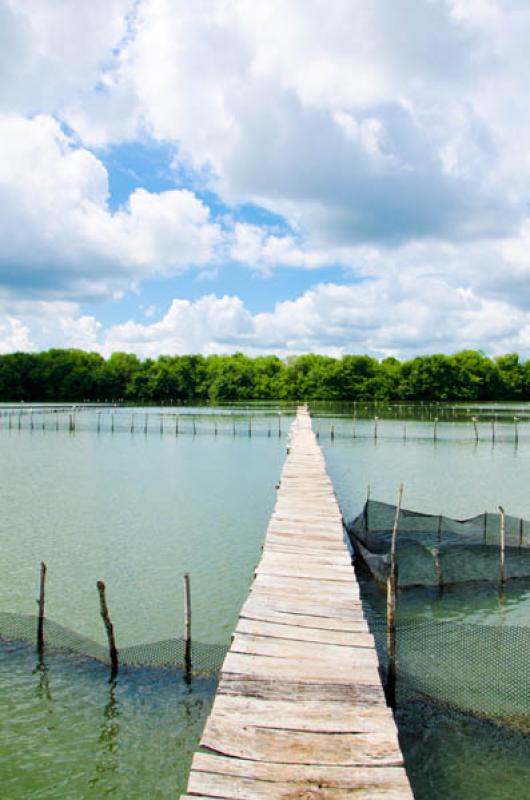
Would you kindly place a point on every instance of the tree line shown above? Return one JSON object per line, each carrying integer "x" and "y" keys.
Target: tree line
{"x": 76, "y": 376}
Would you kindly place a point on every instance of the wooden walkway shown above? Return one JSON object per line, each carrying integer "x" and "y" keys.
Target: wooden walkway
{"x": 300, "y": 712}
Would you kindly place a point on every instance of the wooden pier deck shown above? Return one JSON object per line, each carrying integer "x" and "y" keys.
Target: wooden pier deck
{"x": 300, "y": 712}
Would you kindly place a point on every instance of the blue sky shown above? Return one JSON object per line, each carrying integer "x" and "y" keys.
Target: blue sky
{"x": 280, "y": 177}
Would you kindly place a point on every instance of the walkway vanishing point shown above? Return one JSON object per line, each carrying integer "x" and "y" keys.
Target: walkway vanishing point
{"x": 300, "y": 711}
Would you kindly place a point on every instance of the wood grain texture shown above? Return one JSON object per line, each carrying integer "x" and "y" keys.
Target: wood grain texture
{"x": 300, "y": 710}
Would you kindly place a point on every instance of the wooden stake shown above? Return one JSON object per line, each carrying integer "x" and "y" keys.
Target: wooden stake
{"x": 112, "y": 422}
{"x": 375, "y": 428}
{"x": 521, "y": 523}
{"x": 485, "y": 525}
{"x": 332, "y": 433}
{"x": 503, "y": 546}
{"x": 391, "y": 593}
{"x": 99, "y": 422}
{"x": 40, "y": 603}
{"x": 177, "y": 425}
{"x": 516, "y": 432}
{"x": 435, "y": 429}
{"x": 161, "y": 423}
{"x": 193, "y": 423}
{"x": 404, "y": 431}
{"x": 493, "y": 430}
{"x": 438, "y": 568}
{"x": 474, "y": 419}
{"x": 187, "y": 621}
{"x": 279, "y": 425}
{"x": 250, "y": 426}
{"x": 105, "y": 616}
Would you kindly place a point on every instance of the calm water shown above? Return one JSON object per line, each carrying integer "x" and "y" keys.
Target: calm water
{"x": 140, "y": 510}
{"x": 137, "y": 511}
{"x": 449, "y": 653}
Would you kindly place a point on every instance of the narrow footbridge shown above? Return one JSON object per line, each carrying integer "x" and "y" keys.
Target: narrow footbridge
{"x": 300, "y": 711}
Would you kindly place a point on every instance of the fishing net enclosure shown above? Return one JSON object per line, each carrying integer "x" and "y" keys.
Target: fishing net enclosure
{"x": 446, "y": 569}
{"x": 434, "y": 550}
{"x": 205, "y": 658}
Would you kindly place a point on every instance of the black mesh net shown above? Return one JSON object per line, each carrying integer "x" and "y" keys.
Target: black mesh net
{"x": 434, "y": 550}
{"x": 205, "y": 658}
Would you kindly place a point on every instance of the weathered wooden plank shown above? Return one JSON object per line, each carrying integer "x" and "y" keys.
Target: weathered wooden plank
{"x": 326, "y": 693}
{"x": 315, "y": 652}
{"x": 315, "y": 777}
{"x": 238, "y": 740}
{"x": 304, "y": 634}
{"x": 310, "y": 672}
{"x": 307, "y": 715}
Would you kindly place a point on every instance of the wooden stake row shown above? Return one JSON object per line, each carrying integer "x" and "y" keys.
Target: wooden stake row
{"x": 109, "y": 627}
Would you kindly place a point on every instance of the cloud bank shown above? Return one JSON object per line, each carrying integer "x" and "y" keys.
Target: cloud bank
{"x": 385, "y": 140}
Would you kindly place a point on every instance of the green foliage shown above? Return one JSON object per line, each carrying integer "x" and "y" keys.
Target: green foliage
{"x": 76, "y": 376}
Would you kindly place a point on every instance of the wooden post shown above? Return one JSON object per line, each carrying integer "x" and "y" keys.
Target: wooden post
{"x": 215, "y": 426}
{"x": 521, "y": 524}
{"x": 145, "y": 423}
{"x": 435, "y": 429}
{"x": 250, "y": 426}
{"x": 440, "y": 527}
{"x": 404, "y": 431}
{"x": 516, "y": 431}
{"x": 474, "y": 419}
{"x": 105, "y": 616}
{"x": 353, "y": 426}
{"x": 391, "y": 594}
{"x": 279, "y": 424}
{"x": 375, "y": 428}
{"x": 233, "y": 425}
{"x": 31, "y": 420}
{"x": 485, "y": 525}
{"x": 132, "y": 422}
{"x": 187, "y": 622}
{"x": 99, "y": 422}
{"x": 493, "y": 430}
{"x": 193, "y": 423}
{"x": 503, "y": 546}
{"x": 112, "y": 422}
{"x": 438, "y": 568}
{"x": 332, "y": 432}
{"x": 10, "y": 424}
{"x": 161, "y": 423}
{"x": 176, "y": 425}
{"x": 19, "y": 420}
{"x": 40, "y": 603}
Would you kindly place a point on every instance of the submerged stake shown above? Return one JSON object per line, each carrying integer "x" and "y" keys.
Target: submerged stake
{"x": 105, "y": 616}
{"x": 187, "y": 622}
{"x": 40, "y": 603}
{"x": 503, "y": 545}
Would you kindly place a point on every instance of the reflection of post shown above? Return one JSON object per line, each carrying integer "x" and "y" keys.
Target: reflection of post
{"x": 391, "y": 609}
{"x": 187, "y": 623}
{"x": 104, "y": 611}
{"x": 108, "y": 738}
{"x": 43, "y": 686}
{"x": 503, "y": 546}
{"x": 40, "y": 603}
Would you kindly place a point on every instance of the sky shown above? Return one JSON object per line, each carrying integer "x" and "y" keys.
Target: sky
{"x": 285, "y": 176}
